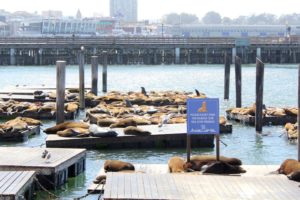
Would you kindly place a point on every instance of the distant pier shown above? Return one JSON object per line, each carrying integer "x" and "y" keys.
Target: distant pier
{"x": 148, "y": 50}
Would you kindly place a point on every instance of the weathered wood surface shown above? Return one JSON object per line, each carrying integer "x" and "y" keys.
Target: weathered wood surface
{"x": 14, "y": 184}
{"x": 24, "y": 159}
{"x": 36, "y": 115}
{"x": 267, "y": 120}
{"x": 23, "y": 136}
{"x": 190, "y": 186}
{"x": 171, "y": 135}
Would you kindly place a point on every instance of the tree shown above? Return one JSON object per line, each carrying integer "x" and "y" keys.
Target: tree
{"x": 212, "y": 18}
{"x": 226, "y": 20}
{"x": 183, "y": 18}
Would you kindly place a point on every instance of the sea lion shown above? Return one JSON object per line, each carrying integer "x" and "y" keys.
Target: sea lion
{"x": 66, "y": 125}
{"x": 71, "y": 107}
{"x": 71, "y": 132}
{"x": 295, "y": 176}
{"x": 291, "y": 111}
{"x": 289, "y": 166}
{"x": 117, "y": 165}
{"x": 101, "y": 179}
{"x": 176, "y": 165}
{"x": 106, "y": 122}
{"x": 132, "y": 130}
{"x": 207, "y": 159}
{"x": 73, "y": 90}
{"x": 123, "y": 123}
{"x": 15, "y": 125}
{"x": 221, "y": 167}
{"x": 30, "y": 121}
{"x": 222, "y": 120}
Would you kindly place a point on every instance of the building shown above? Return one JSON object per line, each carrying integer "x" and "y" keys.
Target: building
{"x": 124, "y": 10}
{"x": 52, "y": 14}
{"x": 200, "y": 30}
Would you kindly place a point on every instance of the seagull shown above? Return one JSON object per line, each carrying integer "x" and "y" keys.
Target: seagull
{"x": 165, "y": 119}
{"x": 46, "y": 154}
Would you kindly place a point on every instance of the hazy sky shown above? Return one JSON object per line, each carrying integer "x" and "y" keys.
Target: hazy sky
{"x": 154, "y": 9}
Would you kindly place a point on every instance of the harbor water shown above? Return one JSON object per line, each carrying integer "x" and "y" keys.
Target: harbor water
{"x": 280, "y": 90}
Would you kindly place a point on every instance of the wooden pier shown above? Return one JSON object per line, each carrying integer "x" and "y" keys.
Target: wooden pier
{"x": 51, "y": 173}
{"x": 173, "y": 136}
{"x": 16, "y": 185}
{"x": 23, "y": 136}
{"x": 156, "y": 183}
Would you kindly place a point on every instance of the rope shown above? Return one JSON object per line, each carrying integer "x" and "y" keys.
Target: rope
{"x": 44, "y": 189}
{"x": 91, "y": 192}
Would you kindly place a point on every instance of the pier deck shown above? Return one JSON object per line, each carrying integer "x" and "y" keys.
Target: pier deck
{"x": 23, "y": 136}
{"x": 52, "y": 173}
{"x": 16, "y": 185}
{"x": 152, "y": 169}
{"x": 157, "y": 183}
{"x": 173, "y": 135}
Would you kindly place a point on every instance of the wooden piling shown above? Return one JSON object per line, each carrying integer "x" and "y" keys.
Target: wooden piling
{"x": 60, "y": 91}
{"x": 81, "y": 79}
{"x": 227, "y": 76}
{"x": 104, "y": 72}
{"x": 238, "y": 81}
{"x": 298, "y": 113}
{"x": 188, "y": 147}
{"x": 95, "y": 75}
{"x": 259, "y": 95}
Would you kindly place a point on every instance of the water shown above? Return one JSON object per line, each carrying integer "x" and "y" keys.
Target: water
{"x": 280, "y": 90}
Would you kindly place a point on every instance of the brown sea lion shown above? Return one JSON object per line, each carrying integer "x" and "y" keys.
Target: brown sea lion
{"x": 176, "y": 165}
{"x": 295, "y": 176}
{"x": 291, "y": 111}
{"x": 221, "y": 167}
{"x": 73, "y": 90}
{"x": 101, "y": 179}
{"x": 66, "y": 125}
{"x": 117, "y": 165}
{"x": 222, "y": 120}
{"x": 289, "y": 166}
{"x": 30, "y": 121}
{"x": 71, "y": 107}
{"x": 289, "y": 126}
{"x": 14, "y": 125}
{"x": 206, "y": 159}
{"x": 132, "y": 130}
{"x": 105, "y": 122}
{"x": 123, "y": 123}
{"x": 71, "y": 132}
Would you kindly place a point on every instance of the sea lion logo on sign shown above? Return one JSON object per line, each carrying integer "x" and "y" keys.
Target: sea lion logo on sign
{"x": 203, "y": 116}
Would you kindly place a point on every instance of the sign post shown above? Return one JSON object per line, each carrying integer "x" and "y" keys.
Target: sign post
{"x": 203, "y": 118}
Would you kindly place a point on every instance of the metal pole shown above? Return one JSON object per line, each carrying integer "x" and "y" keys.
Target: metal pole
{"x": 81, "y": 78}
{"x": 238, "y": 81}
{"x": 188, "y": 147}
{"x": 104, "y": 72}
{"x": 227, "y": 76}
{"x": 259, "y": 95}
{"x": 95, "y": 75}
{"x": 60, "y": 91}
{"x": 298, "y": 114}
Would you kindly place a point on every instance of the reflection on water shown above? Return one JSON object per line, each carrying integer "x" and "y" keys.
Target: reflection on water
{"x": 244, "y": 143}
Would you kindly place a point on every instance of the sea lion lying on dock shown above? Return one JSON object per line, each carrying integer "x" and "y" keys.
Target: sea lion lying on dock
{"x": 221, "y": 167}
{"x": 72, "y": 132}
{"x": 176, "y": 165}
{"x": 66, "y": 125}
{"x": 72, "y": 107}
{"x": 101, "y": 179}
{"x": 198, "y": 161}
{"x": 117, "y": 165}
{"x": 30, "y": 121}
{"x": 132, "y": 130}
{"x": 291, "y": 168}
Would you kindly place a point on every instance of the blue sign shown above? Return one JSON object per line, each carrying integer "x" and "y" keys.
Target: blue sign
{"x": 203, "y": 116}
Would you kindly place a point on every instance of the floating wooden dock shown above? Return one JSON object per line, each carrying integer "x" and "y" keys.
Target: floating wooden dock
{"x": 23, "y": 136}
{"x": 36, "y": 115}
{"x": 267, "y": 120}
{"x": 51, "y": 173}
{"x": 16, "y": 185}
{"x": 257, "y": 183}
{"x": 172, "y": 135}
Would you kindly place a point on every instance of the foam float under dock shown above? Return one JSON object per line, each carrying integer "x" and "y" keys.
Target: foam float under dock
{"x": 51, "y": 173}
{"x": 172, "y": 135}
{"x": 16, "y": 185}
{"x": 267, "y": 120}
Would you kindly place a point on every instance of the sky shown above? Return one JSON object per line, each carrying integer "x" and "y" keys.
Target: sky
{"x": 155, "y": 9}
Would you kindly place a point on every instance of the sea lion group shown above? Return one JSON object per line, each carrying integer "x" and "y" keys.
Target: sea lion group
{"x": 224, "y": 166}
{"x": 18, "y": 125}
{"x": 267, "y": 111}
{"x": 292, "y": 130}
{"x": 28, "y": 109}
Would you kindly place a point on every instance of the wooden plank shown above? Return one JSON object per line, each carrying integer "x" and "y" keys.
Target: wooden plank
{"x": 108, "y": 186}
{"x": 22, "y": 183}
{"x": 121, "y": 185}
{"x": 140, "y": 183}
{"x": 7, "y": 180}
{"x": 127, "y": 192}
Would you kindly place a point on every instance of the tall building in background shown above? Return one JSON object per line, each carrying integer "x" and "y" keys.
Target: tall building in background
{"x": 125, "y": 10}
